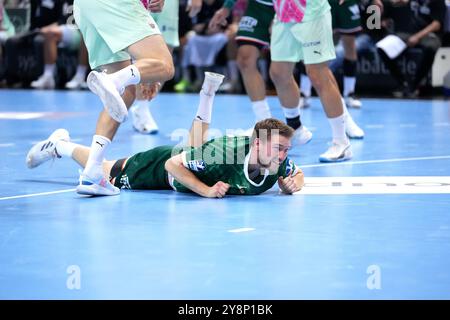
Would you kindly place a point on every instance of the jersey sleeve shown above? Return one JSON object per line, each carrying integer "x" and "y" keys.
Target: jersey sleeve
{"x": 287, "y": 168}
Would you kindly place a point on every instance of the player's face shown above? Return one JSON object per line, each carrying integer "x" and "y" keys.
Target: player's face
{"x": 273, "y": 152}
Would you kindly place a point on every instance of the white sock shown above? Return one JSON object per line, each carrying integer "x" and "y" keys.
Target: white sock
{"x": 205, "y": 105}
{"x": 49, "y": 70}
{"x": 65, "y": 148}
{"x": 338, "y": 129}
{"x": 344, "y": 106}
{"x": 261, "y": 109}
{"x": 349, "y": 85}
{"x": 291, "y": 112}
{"x": 305, "y": 85}
{"x": 125, "y": 77}
{"x": 81, "y": 72}
{"x": 141, "y": 104}
{"x": 94, "y": 168}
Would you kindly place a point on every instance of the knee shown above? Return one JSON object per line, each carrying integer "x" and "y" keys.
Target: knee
{"x": 317, "y": 78}
{"x": 245, "y": 62}
{"x": 279, "y": 74}
{"x": 169, "y": 70}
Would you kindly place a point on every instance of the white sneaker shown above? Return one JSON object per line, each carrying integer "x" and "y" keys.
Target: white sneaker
{"x": 96, "y": 187}
{"x": 352, "y": 102}
{"x": 305, "y": 101}
{"x": 100, "y": 84}
{"x": 337, "y": 152}
{"x": 44, "y": 82}
{"x": 76, "y": 84}
{"x": 302, "y": 136}
{"x": 143, "y": 121}
{"x": 212, "y": 82}
{"x": 46, "y": 149}
{"x": 352, "y": 130}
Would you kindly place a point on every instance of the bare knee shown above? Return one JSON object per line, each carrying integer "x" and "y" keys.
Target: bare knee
{"x": 246, "y": 61}
{"x": 279, "y": 74}
{"x": 319, "y": 77}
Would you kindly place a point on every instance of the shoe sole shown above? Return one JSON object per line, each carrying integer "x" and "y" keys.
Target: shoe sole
{"x": 347, "y": 156}
{"x": 94, "y": 190}
{"x": 355, "y": 137}
{"x": 112, "y": 101}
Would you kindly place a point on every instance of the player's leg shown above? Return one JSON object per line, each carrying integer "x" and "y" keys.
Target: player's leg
{"x": 92, "y": 179}
{"x": 285, "y": 53}
{"x": 58, "y": 145}
{"x": 247, "y": 59}
{"x": 288, "y": 92}
{"x": 114, "y": 32}
{"x": 52, "y": 35}
{"x": 200, "y": 124}
{"x": 78, "y": 81}
{"x": 349, "y": 67}
{"x": 167, "y": 21}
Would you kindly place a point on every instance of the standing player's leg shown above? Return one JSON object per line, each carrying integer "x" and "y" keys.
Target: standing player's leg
{"x": 113, "y": 36}
{"x": 247, "y": 59}
{"x": 349, "y": 66}
{"x": 288, "y": 93}
{"x": 167, "y": 21}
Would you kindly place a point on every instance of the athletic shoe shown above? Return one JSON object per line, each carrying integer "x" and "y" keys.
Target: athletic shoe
{"x": 100, "y": 84}
{"x": 352, "y": 130}
{"x": 302, "y": 136}
{"x": 143, "y": 121}
{"x": 76, "y": 84}
{"x": 46, "y": 149}
{"x": 305, "y": 101}
{"x": 337, "y": 152}
{"x": 96, "y": 187}
{"x": 352, "y": 102}
{"x": 44, "y": 82}
{"x": 212, "y": 82}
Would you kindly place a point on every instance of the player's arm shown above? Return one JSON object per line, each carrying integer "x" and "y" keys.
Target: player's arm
{"x": 176, "y": 168}
{"x": 221, "y": 15}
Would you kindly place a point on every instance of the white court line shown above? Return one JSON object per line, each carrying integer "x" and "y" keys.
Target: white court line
{"x": 348, "y": 163}
{"x": 374, "y": 126}
{"x": 241, "y": 230}
{"x": 37, "y": 194}
{"x": 5, "y": 145}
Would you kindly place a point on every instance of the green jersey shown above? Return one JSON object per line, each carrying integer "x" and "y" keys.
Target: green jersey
{"x": 223, "y": 159}
{"x": 226, "y": 159}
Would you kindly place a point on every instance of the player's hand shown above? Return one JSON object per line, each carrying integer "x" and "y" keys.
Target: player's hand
{"x": 341, "y": 2}
{"x": 413, "y": 41}
{"x": 218, "y": 190}
{"x": 288, "y": 185}
{"x": 194, "y": 7}
{"x": 219, "y": 18}
{"x": 156, "y": 5}
{"x": 149, "y": 90}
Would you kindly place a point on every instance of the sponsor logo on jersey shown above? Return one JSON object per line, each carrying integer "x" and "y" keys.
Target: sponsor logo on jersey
{"x": 125, "y": 182}
{"x": 197, "y": 165}
{"x": 289, "y": 166}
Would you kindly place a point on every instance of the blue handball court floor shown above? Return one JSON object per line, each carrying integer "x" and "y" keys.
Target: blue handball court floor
{"x": 376, "y": 227}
